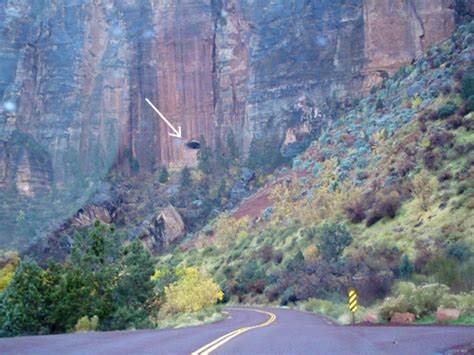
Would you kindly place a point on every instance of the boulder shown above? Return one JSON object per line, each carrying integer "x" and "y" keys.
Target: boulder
{"x": 402, "y": 318}
{"x": 162, "y": 229}
{"x": 89, "y": 214}
{"x": 371, "y": 317}
{"x": 444, "y": 314}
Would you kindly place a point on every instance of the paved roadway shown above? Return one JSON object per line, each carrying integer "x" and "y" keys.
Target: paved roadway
{"x": 268, "y": 331}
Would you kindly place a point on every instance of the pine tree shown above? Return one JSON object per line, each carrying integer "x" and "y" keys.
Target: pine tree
{"x": 232, "y": 146}
{"x": 87, "y": 281}
{"x": 221, "y": 190}
{"x": 406, "y": 267}
{"x": 333, "y": 239}
{"x": 136, "y": 268}
{"x": 467, "y": 82}
{"x": 185, "y": 180}
{"x": 204, "y": 157}
{"x": 264, "y": 154}
{"x": 164, "y": 176}
{"x": 23, "y": 309}
{"x": 222, "y": 160}
{"x": 379, "y": 104}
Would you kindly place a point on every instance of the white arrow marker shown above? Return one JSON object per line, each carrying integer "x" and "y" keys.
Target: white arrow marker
{"x": 177, "y": 133}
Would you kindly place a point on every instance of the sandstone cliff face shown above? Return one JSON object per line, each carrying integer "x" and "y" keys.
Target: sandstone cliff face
{"x": 74, "y": 75}
{"x": 396, "y": 32}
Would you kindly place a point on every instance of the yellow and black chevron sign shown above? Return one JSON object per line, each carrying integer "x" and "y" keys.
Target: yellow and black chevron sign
{"x": 352, "y": 300}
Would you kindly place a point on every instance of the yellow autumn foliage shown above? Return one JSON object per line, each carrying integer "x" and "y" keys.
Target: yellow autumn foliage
{"x": 6, "y": 272}
{"x": 6, "y": 275}
{"x": 315, "y": 206}
{"x": 424, "y": 187}
{"x": 228, "y": 229}
{"x": 283, "y": 204}
{"x": 193, "y": 292}
{"x": 311, "y": 253}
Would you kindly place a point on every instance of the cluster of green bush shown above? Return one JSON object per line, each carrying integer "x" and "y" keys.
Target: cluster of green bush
{"x": 317, "y": 266}
{"x": 424, "y": 300}
{"x": 96, "y": 281}
{"x": 338, "y": 310}
{"x": 107, "y": 283}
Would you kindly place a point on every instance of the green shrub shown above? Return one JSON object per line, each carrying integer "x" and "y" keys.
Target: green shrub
{"x": 333, "y": 238}
{"x": 86, "y": 324}
{"x": 467, "y": 82}
{"x": 406, "y": 267}
{"x": 321, "y": 306}
{"x": 464, "y": 302}
{"x": 264, "y": 154}
{"x": 386, "y": 205}
{"x": 469, "y": 105}
{"x": 265, "y": 253}
{"x": 251, "y": 277}
{"x": 444, "y": 270}
{"x": 393, "y": 304}
{"x": 164, "y": 176}
{"x": 427, "y": 298}
{"x": 289, "y": 296}
{"x": 379, "y": 104}
{"x": 420, "y": 300}
{"x": 446, "y": 110}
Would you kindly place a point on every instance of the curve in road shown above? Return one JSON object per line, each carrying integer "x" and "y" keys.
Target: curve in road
{"x": 290, "y": 332}
{"x": 208, "y": 348}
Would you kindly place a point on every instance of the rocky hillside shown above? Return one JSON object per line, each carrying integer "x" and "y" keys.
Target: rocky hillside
{"x": 75, "y": 76}
{"x": 384, "y": 194}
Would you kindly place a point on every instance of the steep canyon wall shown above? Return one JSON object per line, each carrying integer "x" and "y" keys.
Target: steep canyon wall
{"x": 74, "y": 75}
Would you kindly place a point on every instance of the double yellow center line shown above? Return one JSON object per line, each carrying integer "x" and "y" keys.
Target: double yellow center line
{"x": 208, "y": 348}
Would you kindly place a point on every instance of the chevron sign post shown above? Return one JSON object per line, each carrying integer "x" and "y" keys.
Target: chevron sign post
{"x": 352, "y": 294}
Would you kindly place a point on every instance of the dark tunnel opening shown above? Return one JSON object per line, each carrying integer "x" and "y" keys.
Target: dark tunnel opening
{"x": 193, "y": 144}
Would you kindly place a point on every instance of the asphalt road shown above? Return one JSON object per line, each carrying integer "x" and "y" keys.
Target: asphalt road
{"x": 275, "y": 331}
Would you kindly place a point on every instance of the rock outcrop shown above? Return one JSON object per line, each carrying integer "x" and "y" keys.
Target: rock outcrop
{"x": 402, "y": 318}
{"x": 396, "y": 32}
{"x": 74, "y": 76}
{"x": 371, "y": 317}
{"x": 162, "y": 229}
{"x": 447, "y": 314}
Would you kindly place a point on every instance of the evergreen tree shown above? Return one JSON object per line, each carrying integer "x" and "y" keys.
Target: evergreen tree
{"x": 379, "y": 104}
{"x": 164, "y": 176}
{"x": 232, "y": 149}
{"x": 333, "y": 238}
{"x": 204, "y": 157}
{"x": 185, "y": 180}
{"x": 23, "y": 309}
{"x": 221, "y": 160}
{"x": 296, "y": 262}
{"x": 264, "y": 154}
{"x": 87, "y": 283}
{"x": 406, "y": 267}
{"x": 136, "y": 268}
{"x": 221, "y": 191}
{"x": 467, "y": 82}
{"x": 79, "y": 293}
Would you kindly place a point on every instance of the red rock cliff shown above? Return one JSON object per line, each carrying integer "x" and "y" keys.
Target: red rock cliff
{"x": 75, "y": 75}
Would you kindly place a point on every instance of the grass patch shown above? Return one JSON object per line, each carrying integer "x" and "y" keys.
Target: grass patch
{"x": 339, "y": 312}
{"x": 206, "y": 316}
{"x": 426, "y": 320}
{"x": 431, "y": 319}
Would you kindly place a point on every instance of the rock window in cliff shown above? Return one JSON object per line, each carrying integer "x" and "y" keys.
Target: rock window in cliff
{"x": 193, "y": 144}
